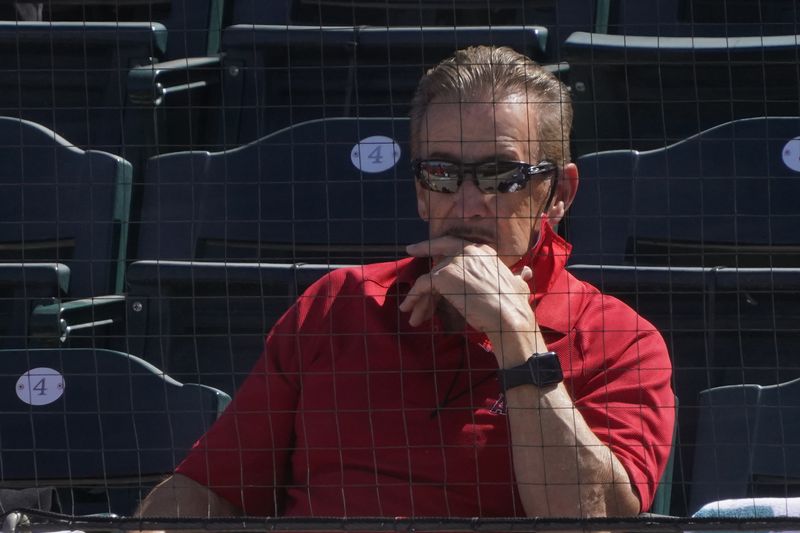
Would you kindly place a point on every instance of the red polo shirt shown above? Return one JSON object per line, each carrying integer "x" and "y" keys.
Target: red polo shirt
{"x": 352, "y": 412}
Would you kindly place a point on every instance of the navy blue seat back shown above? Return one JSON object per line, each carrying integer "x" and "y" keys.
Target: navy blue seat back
{"x": 280, "y": 75}
{"x": 646, "y": 92}
{"x": 560, "y": 18}
{"x": 748, "y": 443}
{"x": 724, "y": 197}
{"x": 205, "y": 322}
{"x": 103, "y": 425}
{"x": 72, "y": 76}
{"x": 193, "y": 26}
{"x": 296, "y": 195}
{"x": 63, "y": 204}
{"x": 703, "y": 18}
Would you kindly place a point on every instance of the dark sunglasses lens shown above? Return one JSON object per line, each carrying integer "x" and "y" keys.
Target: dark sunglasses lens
{"x": 439, "y": 176}
{"x": 500, "y": 176}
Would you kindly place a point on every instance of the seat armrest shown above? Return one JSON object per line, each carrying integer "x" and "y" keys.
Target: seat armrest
{"x": 149, "y": 85}
{"x": 58, "y": 323}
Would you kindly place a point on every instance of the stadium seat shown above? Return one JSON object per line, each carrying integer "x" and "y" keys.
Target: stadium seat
{"x": 748, "y": 442}
{"x": 193, "y": 26}
{"x": 724, "y": 197}
{"x": 703, "y": 18}
{"x": 280, "y": 75}
{"x": 326, "y": 191}
{"x": 560, "y": 18}
{"x": 22, "y": 286}
{"x": 62, "y": 204}
{"x": 72, "y": 76}
{"x": 102, "y": 426}
{"x": 111, "y": 86}
{"x": 206, "y": 322}
{"x": 643, "y": 92}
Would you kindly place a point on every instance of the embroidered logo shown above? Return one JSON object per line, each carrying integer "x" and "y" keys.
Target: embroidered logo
{"x": 499, "y": 405}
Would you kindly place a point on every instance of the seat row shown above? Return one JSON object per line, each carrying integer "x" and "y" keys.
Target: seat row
{"x": 697, "y": 236}
{"x": 340, "y": 190}
{"x": 723, "y": 326}
{"x": 122, "y": 87}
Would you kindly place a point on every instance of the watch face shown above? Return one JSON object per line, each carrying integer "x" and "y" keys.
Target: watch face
{"x": 540, "y": 369}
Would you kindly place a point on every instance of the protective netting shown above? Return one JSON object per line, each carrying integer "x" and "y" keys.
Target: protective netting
{"x": 174, "y": 174}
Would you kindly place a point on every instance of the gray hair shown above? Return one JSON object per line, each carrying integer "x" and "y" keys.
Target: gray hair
{"x": 489, "y": 73}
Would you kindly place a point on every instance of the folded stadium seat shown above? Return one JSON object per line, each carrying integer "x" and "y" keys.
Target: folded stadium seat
{"x": 724, "y": 197}
{"x": 560, "y": 18}
{"x": 71, "y": 76}
{"x": 205, "y": 321}
{"x": 102, "y": 426}
{"x": 280, "y": 75}
{"x": 702, "y": 18}
{"x": 61, "y": 204}
{"x": 747, "y": 446}
{"x": 643, "y": 92}
{"x": 193, "y": 26}
{"x": 117, "y": 77}
{"x": 23, "y": 286}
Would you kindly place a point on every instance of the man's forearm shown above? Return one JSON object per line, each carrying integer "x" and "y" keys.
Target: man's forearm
{"x": 180, "y": 496}
{"x": 561, "y": 467}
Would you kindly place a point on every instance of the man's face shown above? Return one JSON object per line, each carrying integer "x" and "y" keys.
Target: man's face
{"x": 480, "y": 132}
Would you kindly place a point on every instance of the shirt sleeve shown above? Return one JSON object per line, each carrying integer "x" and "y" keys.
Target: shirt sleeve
{"x": 244, "y": 456}
{"x": 625, "y": 394}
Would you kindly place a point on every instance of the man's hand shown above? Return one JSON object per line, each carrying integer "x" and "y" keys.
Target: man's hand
{"x": 473, "y": 279}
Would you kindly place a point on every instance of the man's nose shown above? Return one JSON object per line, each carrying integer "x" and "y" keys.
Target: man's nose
{"x": 472, "y": 202}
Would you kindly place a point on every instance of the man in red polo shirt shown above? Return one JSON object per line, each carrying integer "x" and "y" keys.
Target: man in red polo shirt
{"x": 475, "y": 378}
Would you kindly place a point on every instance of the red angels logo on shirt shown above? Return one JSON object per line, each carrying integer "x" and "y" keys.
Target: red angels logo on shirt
{"x": 499, "y": 405}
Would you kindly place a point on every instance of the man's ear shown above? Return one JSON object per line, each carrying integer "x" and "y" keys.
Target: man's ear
{"x": 566, "y": 187}
{"x": 423, "y": 196}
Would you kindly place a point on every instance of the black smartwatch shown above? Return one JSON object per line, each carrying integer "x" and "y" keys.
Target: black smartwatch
{"x": 540, "y": 369}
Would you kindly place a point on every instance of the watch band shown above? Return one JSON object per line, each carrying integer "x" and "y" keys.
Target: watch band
{"x": 540, "y": 369}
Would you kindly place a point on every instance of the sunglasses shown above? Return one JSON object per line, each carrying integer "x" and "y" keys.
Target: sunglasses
{"x": 490, "y": 177}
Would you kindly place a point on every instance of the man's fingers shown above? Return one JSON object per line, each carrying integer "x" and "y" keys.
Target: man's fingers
{"x": 420, "y": 301}
{"x": 421, "y": 288}
{"x": 440, "y": 246}
{"x": 422, "y": 311}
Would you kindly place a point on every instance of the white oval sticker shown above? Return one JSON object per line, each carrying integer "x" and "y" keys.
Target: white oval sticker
{"x": 791, "y": 154}
{"x": 40, "y": 386}
{"x": 375, "y": 154}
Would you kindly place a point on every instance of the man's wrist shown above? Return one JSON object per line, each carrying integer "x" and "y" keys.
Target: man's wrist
{"x": 512, "y": 348}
